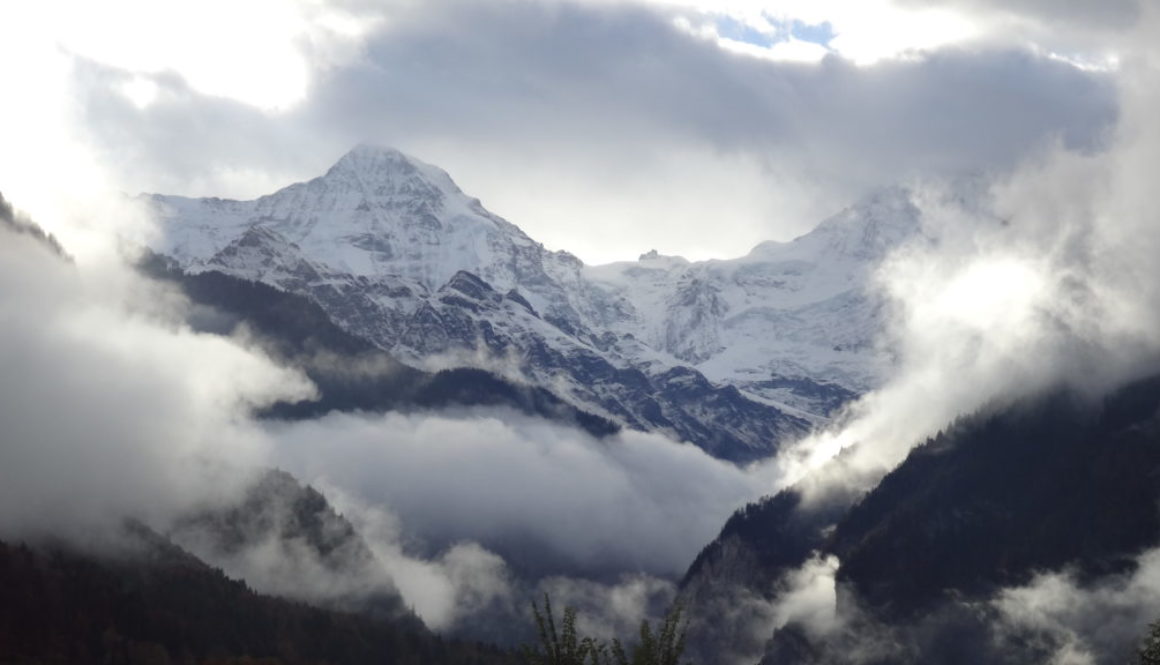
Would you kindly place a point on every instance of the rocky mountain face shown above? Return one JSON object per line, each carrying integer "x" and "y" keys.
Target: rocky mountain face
{"x": 733, "y": 356}
{"x": 350, "y": 373}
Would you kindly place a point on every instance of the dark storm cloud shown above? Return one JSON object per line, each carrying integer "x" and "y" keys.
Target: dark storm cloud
{"x": 574, "y": 75}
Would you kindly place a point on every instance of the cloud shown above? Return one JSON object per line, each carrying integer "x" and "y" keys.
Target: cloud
{"x": 1046, "y": 20}
{"x": 1038, "y": 279}
{"x": 1122, "y": 14}
{"x": 1042, "y": 278}
{"x": 1080, "y": 623}
{"x": 111, "y": 408}
{"x": 461, "y": 588}
{"x": 580, "y": 120}
{"x": 614, "y": 610}
{"x": 733, "y": 621}
{"x": 867, "y": 32}
{"x": 121, "y": 412}
{"x": 809, "y": 597}
{"x": 1083, "y": 32}
{"x": 1047, "y": 278}
{"x": 549, "y": 499}
{"x": 264, "y": 51}
{"x": 457, "y": 586}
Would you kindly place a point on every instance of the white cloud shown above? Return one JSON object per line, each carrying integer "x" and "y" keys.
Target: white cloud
{"x": 261, "y": 52}
{"x": 1051, "y": 282}
{"x": 110, "y": 408}
{"x": 452, "y": 586}
{"x": 870, "y": 31}
{"x": 552, "y": 499}
{"x": 1085, "y": 623}
{"x": 865, "y": 31}
{"x": 809, "y": 597}
{"x": 578, "y": 121}
{"x": 614, "y": 610}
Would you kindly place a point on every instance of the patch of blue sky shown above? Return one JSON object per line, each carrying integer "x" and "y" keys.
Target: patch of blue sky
{"x": 736, "y": 30}
{"x": 819, "y": 33}
{"x": 739, "y": 31}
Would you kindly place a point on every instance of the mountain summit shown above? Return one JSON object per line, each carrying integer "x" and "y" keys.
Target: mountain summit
{"x": 376, "y": 212}
{"x": 733, "y": 356}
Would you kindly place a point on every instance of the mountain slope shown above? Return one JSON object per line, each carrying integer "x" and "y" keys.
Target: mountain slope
{"x": 13, "y": 222}
{"x": 155, "y": 603}
{"x": 351, "y": 374}
{"x": 1059, "y": 481}
{"x": 284, "y": 538}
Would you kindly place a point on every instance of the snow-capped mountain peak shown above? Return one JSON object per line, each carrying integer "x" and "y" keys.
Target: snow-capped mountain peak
{"x": 863, "y": 232}
{"x": 387, "y": 177}
{"x": 376, "y": 212}
{"x": 719, "y": 352}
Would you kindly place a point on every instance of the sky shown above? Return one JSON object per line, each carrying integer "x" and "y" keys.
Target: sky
{"x": 603, "y": 127}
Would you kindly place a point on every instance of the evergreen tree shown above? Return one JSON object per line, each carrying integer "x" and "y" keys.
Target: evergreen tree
{"x": 562, "y": 647}
{"x": 566, "y": 647}
{"x": 660, "y": 648}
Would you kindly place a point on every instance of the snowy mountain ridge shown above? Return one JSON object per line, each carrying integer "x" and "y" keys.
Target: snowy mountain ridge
{"x": 733, "y": 355}
{"x": 795, "y": 309}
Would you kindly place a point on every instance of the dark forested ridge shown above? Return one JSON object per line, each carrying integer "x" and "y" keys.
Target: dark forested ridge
{"x": 277, "y": 506}
{"x": 154, "y": 603}
{"x": 278, "y": 514}
{"x": 14, "y": 222}
{"x": 1061, "y": 481}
